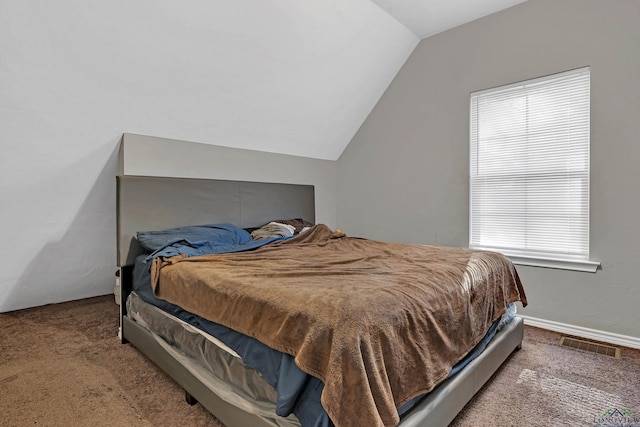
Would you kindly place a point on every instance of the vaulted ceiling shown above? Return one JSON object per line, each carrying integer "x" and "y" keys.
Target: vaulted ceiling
{"x": 285, "y": 76}
{"x": 428, "y": 17}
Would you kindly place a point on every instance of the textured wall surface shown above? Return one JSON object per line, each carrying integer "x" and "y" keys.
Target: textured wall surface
{"x": 405, "y": 175}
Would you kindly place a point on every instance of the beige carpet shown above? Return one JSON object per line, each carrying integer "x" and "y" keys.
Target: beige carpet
{"x": 62, "y": 365}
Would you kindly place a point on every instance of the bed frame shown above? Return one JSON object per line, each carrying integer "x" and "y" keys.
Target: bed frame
{"x": 184, "y": 201}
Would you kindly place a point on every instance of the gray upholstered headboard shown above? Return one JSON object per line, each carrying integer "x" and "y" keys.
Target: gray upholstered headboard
{"x": 155, "y": 203}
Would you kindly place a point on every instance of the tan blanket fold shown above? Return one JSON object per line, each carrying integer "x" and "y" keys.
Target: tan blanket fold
{"x": 379, "y": 323}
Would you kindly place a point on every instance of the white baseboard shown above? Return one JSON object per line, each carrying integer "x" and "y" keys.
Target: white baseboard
{"x": 579, "y": 331}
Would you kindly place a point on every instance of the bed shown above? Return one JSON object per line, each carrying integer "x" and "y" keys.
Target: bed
{"x": 185, "y": 351}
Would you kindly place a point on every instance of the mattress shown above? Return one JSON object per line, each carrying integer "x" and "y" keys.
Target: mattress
{"x": 297, "y": 392}
{"x": 379, "y": 323}
{"x": 175, "y": 202}
{"x": 210, "y": 360}
{"x": 252, "y": 386}
{"x": 261, "y": 375}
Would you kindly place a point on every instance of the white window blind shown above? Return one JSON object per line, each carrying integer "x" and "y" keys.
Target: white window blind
{"x": 529, "y": 174}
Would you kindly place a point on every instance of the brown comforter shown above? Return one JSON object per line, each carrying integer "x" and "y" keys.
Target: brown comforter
{"x": 378, "y": 323}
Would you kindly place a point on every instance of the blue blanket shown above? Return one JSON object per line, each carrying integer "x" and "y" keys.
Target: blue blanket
{"x": 197, "y": 240}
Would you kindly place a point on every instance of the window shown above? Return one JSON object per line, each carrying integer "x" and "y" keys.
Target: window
{"x": 529, "y": 171}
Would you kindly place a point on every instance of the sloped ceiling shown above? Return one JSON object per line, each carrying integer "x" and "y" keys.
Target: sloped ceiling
{"x": 285, "y": 76}
{"x": 428, "y": 17}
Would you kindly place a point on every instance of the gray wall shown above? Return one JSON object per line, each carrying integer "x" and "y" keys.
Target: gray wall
{"x": 404, "y": 176}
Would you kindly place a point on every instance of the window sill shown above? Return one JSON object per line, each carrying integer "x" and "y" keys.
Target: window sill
{"x": 575, "y": 265}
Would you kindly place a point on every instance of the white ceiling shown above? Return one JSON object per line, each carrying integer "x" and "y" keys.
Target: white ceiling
{"x": 428, "y": 17}
{"x": 283, "y": 76}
